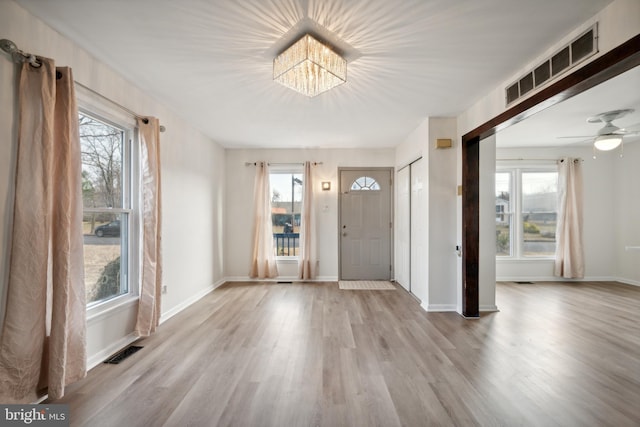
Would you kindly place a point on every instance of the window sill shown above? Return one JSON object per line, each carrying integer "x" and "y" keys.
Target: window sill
{"x": 287, "y": 259}
{"x": 108, "y": 308}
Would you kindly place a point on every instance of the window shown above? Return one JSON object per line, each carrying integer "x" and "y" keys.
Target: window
{"x": 108, "y": 207}
{"x": 365, "y": 183}
{"x": 503, "y": 214}
{"x": 286, "y": 204}
{"x": 526, "y": 212}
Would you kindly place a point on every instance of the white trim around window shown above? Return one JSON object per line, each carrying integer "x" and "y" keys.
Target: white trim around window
{"x": 525, "y": 217}
{"x": 126, "y": 210}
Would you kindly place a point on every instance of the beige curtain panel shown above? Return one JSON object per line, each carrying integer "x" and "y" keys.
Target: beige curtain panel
{"x": 263, "y": 260}
{"x": 43, "y": 340}
{"x": 307, "y": 260}
{"x": 151, "y": 286}
{"x": 569, "y": 262}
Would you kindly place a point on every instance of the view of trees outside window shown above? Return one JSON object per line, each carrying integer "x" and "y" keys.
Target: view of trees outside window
{"x": 503, "y": 214}
{"x": 286, "y": 204}
{"x": 526, "y": 213}
{"x": 539, "y": 213}
{"x": 105, "y": 216}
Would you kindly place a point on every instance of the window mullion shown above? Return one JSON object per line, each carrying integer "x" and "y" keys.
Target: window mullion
{"x": 107, "y": 210}
{"x": 518, "y": 216}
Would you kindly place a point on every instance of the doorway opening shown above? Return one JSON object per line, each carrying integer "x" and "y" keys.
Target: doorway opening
{"x": 365, "y": 223}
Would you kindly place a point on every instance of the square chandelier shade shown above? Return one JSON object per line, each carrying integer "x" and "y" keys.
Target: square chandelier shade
{"x": 309, "y": 67}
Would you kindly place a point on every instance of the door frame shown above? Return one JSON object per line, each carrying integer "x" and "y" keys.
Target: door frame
{"x": 618, "y": 60}
{"x": 391, "y": 213}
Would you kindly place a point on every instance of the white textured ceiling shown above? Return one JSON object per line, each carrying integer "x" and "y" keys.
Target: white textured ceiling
{"x": 550, "y": 127}
{"x": 211, "y": 61}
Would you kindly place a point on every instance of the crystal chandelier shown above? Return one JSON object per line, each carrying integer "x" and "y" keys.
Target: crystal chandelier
{"x": 309, "y": 67}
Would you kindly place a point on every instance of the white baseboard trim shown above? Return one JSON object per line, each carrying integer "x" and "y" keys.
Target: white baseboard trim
{"x": 439, "y": 308}
{"x": 326, "y": 279}
{"x": 628, "y": 281}
{"x": 281, "y": 279}
{"x": 436, "y": 308}
{"x": 562, "y": 279}
{"x": 96, "y": 359}
{"x": 533, "y": 279}
{"x": 177, "y": 309}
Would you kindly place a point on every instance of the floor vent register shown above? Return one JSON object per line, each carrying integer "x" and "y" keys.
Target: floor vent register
{"x": 123, "y": 354}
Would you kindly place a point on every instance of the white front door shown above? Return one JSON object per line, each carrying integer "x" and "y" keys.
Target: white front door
{"x": 365, "y": 224}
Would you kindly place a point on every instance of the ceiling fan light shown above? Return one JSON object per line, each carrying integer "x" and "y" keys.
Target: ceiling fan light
{"x": 607, "y": 142}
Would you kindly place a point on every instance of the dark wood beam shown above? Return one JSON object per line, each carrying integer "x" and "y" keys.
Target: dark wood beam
{"x": 613, "y": 63}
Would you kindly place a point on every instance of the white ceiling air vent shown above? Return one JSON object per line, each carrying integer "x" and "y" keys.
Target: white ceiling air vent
{"x": 579, "y": 49}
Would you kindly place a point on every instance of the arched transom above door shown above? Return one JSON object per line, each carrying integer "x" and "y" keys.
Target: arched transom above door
{"x": 365, "y": 183}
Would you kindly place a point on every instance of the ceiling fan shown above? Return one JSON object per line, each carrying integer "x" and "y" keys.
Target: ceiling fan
{"x": 609, "y": 136}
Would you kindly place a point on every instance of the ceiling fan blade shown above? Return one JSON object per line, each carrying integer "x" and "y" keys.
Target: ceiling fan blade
{"x": 574, "y": 136}
{"x": 589, "y": 139}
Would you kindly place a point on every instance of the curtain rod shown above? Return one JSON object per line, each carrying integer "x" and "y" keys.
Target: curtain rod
{"x": 120, "y": 106}
{"x": 20, "y": 56}
{"x": 281, "y": 164}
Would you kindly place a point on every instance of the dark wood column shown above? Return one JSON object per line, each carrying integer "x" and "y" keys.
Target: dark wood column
{"x": 470, "y": 226}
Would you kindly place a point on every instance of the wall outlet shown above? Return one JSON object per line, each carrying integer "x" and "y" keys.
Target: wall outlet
{"x": 164, "y": 289}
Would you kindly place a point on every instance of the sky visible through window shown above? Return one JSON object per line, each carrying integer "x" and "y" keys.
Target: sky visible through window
{"x": 502, "y": 183}
{"x": 281, "y": 185}
{"x": 535, "y": 183}
{"x": 539, "y": 182}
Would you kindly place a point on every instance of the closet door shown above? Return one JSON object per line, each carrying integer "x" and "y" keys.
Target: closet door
{"x": 403, "y": 228}
{"x": 419, "y": 230}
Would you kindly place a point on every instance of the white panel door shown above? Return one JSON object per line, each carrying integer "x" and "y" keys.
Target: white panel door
{"x": 365, "y": 224}
{"x": 403, "y": 228}
{"x": 419, "y": 230}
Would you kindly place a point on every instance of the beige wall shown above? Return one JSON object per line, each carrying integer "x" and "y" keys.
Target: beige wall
{"x": 434, "y": 279}
{"x": 239, "y": 203}
{"x": 192, "y": 168}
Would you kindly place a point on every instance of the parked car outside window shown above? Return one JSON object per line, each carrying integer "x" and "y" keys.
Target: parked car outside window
{"x": 110, "y": 229}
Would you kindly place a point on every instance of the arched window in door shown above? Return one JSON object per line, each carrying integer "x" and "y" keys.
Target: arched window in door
{"x": 365, "y": 183}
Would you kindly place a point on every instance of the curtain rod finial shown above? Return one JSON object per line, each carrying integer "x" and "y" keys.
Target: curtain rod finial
{"x": 8, "y": 46}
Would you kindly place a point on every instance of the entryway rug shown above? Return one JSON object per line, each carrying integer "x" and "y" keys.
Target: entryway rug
{"x": 370, "y": 285}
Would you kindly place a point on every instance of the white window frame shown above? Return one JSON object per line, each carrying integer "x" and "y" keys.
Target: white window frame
{"x": 511, "y": 214}
{"x": 99, "y": 109}
{"x": 516, "y": 225}
{"x": 285, "y": 169}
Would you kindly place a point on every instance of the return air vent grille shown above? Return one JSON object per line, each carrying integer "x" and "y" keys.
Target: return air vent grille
{"x": 567, "y": 57}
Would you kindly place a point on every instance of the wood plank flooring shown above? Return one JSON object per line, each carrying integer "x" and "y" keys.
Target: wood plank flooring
{"x": 291, "y": 355}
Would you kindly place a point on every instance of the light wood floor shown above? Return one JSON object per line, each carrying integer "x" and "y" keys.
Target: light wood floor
{"x": 313, "y": 355}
